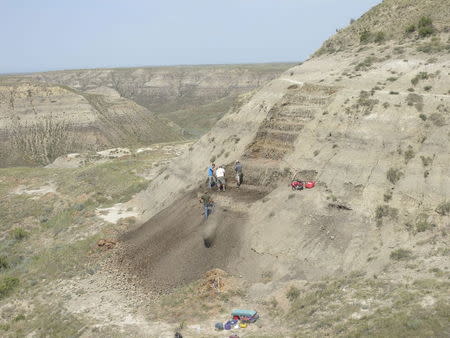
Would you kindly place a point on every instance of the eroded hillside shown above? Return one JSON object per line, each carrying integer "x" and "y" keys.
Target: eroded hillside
{"x": 194, "y": 97}
{"x": 45, "y": 115}
{"x": 370, "y": 124}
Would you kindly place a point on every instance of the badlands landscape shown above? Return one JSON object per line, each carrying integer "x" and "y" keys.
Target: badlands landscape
{"x": 111, "y": 241}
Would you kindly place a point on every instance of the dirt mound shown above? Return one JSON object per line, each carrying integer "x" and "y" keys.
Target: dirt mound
{"x": 168, "y": 250}
{"x": 215, "y": 281}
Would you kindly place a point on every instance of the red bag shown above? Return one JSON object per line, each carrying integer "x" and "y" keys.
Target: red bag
{"x": 310, "y": 184}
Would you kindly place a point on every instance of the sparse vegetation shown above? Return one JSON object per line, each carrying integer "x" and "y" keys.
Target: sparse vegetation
{"x": 415, "y": 100}
{"x": 365, "y": 103}
{"x": 393, "y": 175}
{"x": 443, "y": 208}
{"x": 409, "y": 154}
{"x": 387, "y": 196}
{"x": 19, "y": 234}
{"x": 423, "y": 117}
{"x": 379, "y": 37}
{"x": 400, "y": 254}
{"x": 7, "y": 285}
{"x": 437, "y": 119}
{"x": 42, "y": 141}
{"x": 427, "y": 88}
{"x": 423, "y": 225}
{"x": 293, "y": 293}
{"x": 425, "y": 27}
{"x": 365, "y": 36}
{"x": 383, "y": 211}
{"x": 421, "y": 76}
{"x": 368, "y": 37}
{"x": 366, "y": 63}
{"x": 410, "y": 29}
{"x": 4, "y": 264}
{"x": 426, "y": 160}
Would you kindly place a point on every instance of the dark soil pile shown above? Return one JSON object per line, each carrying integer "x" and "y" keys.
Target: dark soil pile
{"x": 168, "y": 250}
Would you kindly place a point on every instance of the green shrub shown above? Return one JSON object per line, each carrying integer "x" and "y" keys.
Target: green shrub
{"x": 7, "y": 284}
{"x": 3, "y": 263}
{"x": 366, "y": 63}
{"x": 365, "y": 36}
{"x": 379, "y": 37}
{"x": 19, "y": 234}
{"x": 387, "y": 196}
{"x": 392, "y": 79}
{"x": 292, "y": 293}
{"x": 421, "y": 76}
{"x": 423, "y": 117}
{"x": 443, "y": 208}
{"x": 383, "y": 211}
{"x": 426, "y": 161}
{"x": 425, "y": 21}
{"x": 393, "y": 92}
{"x": 410, "y": 29}
{"x": 426, "y": 31}
{"x": 400, "y": 254}
{"x": 423, "y": 225}
{"x": 394, "y": 175}
{"x": 427, "y": 88}
{"x": 425, "y": 27}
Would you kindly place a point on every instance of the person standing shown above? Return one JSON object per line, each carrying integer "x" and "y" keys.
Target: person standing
{"x": 211, "y": 177}
{"x": 239, "y": 173}
{"x": 220, "y": 174}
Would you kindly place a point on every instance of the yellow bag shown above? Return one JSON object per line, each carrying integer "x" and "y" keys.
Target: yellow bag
{"x": 243, "y": 325}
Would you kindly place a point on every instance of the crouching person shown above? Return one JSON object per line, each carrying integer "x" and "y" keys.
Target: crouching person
{"x": 207, "y": 203}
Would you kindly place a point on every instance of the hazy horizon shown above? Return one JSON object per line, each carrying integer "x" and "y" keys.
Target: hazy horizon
{"x": 50, "y": 35}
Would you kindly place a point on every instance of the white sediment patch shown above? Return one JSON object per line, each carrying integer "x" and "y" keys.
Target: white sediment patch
{"x": 45, "y": 189}
{"x": 116, "y": 212}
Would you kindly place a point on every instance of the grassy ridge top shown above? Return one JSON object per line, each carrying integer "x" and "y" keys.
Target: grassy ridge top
{"x": 392, "y": 19}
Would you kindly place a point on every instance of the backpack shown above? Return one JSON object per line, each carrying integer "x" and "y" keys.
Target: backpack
{"x": 297, "y": 185}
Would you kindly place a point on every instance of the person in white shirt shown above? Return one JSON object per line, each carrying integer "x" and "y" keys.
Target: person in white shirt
{"x": 220, "y": 174}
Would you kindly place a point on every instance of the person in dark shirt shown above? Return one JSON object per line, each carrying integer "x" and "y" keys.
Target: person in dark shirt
{"x": 239, "y": 173}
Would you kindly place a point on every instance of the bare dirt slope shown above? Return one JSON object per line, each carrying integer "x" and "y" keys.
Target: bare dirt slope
{"x": 153, "y": 250}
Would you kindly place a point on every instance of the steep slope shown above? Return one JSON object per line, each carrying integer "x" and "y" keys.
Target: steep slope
{"x": 371, "y": 125}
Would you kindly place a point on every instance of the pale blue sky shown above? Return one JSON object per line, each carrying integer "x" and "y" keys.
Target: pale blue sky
{"x": 39, "y": 35}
